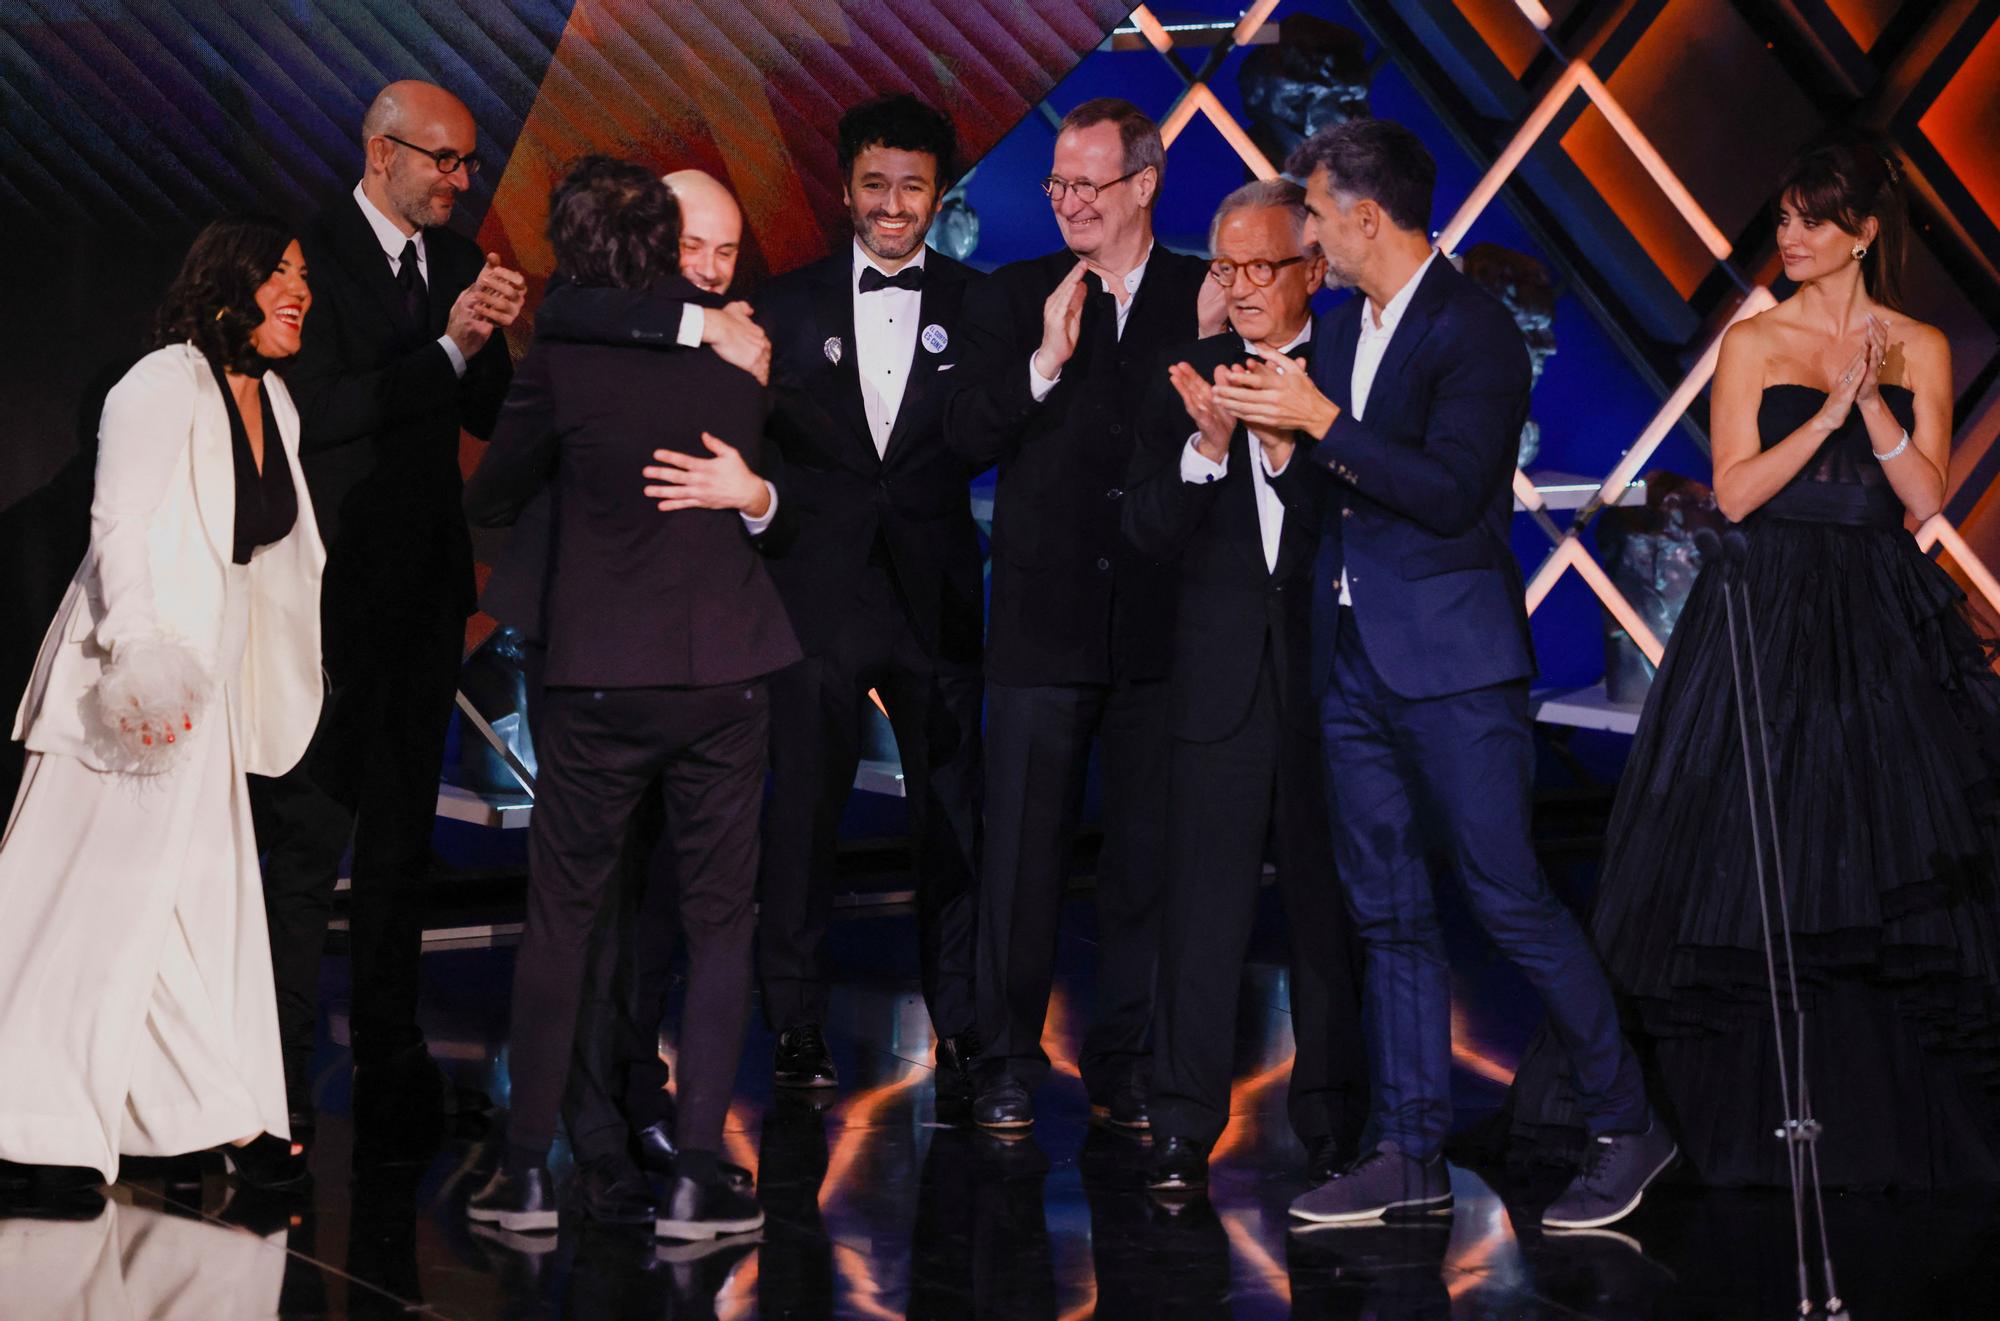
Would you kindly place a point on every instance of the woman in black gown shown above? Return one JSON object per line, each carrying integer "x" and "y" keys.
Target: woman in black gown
{"x": 1831, "y": 424}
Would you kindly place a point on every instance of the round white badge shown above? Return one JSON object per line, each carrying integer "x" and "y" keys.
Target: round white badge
{"x": 934, "y": 337}
{"x": 832, "y": 350}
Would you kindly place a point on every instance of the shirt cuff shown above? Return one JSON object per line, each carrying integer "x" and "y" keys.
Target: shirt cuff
{"x": 757, "y": 527}
{"x": 1197, "y": 467}
{"x": 452, "y": 351}
{"x": 693, "y": 323}
{"x": 1038, "y": 384}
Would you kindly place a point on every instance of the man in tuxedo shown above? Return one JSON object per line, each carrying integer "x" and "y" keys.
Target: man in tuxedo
{"x": 883, "y": 580}
{"x": 1412, "y": 407}
{"x": 400, "y": 357}
{"x": 660, "y": 626}
{"x": 1058, "y": 352}
{"x": 618, "y": 1097}
{"x": 1240, "y": 520}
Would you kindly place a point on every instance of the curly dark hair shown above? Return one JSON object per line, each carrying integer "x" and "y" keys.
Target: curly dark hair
{"x": 1378, "y": 159}
{"x": 213, "y": 301}
{"x": 1844, "y": 181}
{"x": 614, "y": 223}
{"x": 902, "y": 123}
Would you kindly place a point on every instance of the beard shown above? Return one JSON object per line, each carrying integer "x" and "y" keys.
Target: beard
{"x": 891, "y": 247}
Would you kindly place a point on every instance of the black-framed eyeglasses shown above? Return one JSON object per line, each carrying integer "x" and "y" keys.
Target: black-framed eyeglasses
{"x": 1086, "y": 192}
{"x": 446, "y": 161}
{"x": 1261, "y": 273}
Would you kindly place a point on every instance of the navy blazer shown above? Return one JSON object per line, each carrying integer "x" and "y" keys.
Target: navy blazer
{"x": 1422, "y": 493}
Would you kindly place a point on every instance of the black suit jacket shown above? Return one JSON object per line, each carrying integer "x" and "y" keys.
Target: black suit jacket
{"x": 635, "y": 597}
{"x": 841, "y": 496}
{"x": 1073, "y": 600}
{"x": 1229, "y": 606}
{"x": 1422, "y": 492}
{"x": 380, "y": 411}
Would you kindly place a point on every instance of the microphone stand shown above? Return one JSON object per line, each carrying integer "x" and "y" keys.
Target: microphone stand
{"x": 1800, "y": 1132}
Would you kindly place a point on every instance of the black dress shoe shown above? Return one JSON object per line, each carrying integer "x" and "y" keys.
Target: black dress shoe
{"x": 803, "y": 1060}
{"x": 1180, "y": 1165}
{"x": 1124, "y": 1107}
{"x": 614, "y": 1192}
{"x": 956, "y": 1054}
{"x": 656, "y": 1153}
{"x": 410, "y": 1082}
{"x": 268, "y": 1163}
{"x": 1326, "y": 1156}
{"x": 523, "y": 1201}
{"x": 1004, "y": 1104}
{"x": 694, "y": 1210}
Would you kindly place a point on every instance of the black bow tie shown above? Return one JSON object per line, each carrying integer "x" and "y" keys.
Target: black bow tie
{"x": 910, "y": 277}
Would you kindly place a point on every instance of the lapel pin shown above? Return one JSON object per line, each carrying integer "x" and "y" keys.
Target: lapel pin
{"x": 832, "y": 349}
{"x": 935, "y": 338}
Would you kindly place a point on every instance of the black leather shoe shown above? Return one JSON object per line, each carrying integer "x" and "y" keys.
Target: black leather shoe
{"x": 1180, "y": 1165}
{"x": 1326, "y": 1156}
{"x": 956, "y": 1054}
{"x": 693, "y": 1210}
{"x": 613, "y": 1192}
{"x": 410, "y": 1082}
{"x": 268, "y": 1163}
{"x": 803, "y": 1059}
{"x": 517, "y": 1202}
{"x": 1004, "y": 1104}
{"x": 657, "y": 1155}
{"x": 1124, "y": 1107}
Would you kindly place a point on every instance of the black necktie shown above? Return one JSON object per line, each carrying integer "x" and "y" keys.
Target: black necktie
{"x": 910, "y": 277}
{"x": 416, "y": 294}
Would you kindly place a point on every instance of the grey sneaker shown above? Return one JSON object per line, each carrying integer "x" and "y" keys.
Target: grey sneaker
{"x": 1384, "y": 1183}
{"x": 1613, "y": 1178}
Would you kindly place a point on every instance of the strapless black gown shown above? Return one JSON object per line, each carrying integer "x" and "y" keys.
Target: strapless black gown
{"x": 1882, "y": 713}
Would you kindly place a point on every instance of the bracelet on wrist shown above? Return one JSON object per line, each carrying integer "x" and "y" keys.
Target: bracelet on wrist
{"x": 1901, "y": 445}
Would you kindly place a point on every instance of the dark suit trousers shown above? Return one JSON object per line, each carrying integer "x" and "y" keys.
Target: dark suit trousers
{"x": 1223, "y": 798}
{"x": 371, "y": 775}
{"x": 599, "y": 751}
{"x": 1456, "y": 771}
{"x": 817, "y": 709}
{"x": 1037, "y": 750}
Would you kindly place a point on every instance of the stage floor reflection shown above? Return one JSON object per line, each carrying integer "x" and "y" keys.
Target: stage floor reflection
{"x": 877, "y": 1210}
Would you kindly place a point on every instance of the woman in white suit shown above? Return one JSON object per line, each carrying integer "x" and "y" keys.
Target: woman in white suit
{"x": 136, "y": 1007}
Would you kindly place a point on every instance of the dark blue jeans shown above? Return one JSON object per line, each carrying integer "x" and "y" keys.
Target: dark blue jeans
{"x": 1451, "y": 776}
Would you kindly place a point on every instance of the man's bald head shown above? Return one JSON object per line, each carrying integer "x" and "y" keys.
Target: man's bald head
{"x": 711, "y": 229}
{"x": 404, "y": 122}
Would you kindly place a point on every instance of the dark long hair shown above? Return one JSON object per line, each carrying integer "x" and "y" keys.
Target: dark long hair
{"x": 213, "y": 301}
{"x": 613, "y": 222}
{"x": 1844, "y": 181}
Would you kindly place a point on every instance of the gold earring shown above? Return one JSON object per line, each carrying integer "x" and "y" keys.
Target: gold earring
{"x": 1860, "y": 251}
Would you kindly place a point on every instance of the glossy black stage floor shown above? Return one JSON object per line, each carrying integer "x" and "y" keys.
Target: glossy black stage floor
{"x": 877, "y": 1211}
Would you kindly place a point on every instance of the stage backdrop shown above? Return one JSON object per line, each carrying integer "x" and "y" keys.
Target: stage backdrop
{"x": 126, "y": 124}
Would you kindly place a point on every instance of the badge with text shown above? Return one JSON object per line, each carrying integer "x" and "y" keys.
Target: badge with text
{"x": 934, "y": 337}
{"x": 832, "y": 350}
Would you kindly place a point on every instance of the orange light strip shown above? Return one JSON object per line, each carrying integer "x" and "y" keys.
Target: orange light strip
{"x": 1199, "y": 98}
{"x": 1253, "y": 19}
{"x": 1938, "y": 530}
{"x": 857, "y": 1124}
{"x": 1534, "y": 13}
{"x": 1274, "y": 1277}
{"x": 1527, "y": 493}
{"x": 1578, "y": 76}
{"x": 1152, "y": 29}
{"x": 1571, "y": 555}
{"x": 1468, "y": 1056}
{"x": 1241, "y": 1123}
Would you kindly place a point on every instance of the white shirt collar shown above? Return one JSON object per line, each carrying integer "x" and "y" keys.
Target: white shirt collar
{"x": 1397, "y": 305}
{"x": 391, "y": 238}
{"x": 862, "y": 255}
{"x": 1132, "y": 278}
{"x": 1305, "y": 334}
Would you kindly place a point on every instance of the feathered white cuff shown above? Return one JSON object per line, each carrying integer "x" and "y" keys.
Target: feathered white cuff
{"x": 147, "y": 705}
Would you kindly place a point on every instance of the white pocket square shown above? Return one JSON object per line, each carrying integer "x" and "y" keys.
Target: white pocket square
{"x": 946, "y": 366}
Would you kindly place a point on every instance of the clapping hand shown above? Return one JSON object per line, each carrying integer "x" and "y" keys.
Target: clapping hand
{"x": 1275, "y": 395}
{"x": 1876, "y": 347}
{"x": 1062, "y": 322}
{"x": 1198, "y": 397}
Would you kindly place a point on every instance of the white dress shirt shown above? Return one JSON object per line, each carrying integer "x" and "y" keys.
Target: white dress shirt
{"x": 1198, "y": 468}
{"x": 392, "y": 240}
{"x": 1039, "y": 384}
{"x": 885, "y": 344}
{"x": 1368, "y": 351}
